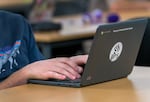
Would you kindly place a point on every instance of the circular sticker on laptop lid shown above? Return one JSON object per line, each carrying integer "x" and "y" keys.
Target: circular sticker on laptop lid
{"x": 115, "y": 51}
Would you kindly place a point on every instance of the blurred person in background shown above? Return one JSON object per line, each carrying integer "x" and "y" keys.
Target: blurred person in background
{"x": 42, "y": 10}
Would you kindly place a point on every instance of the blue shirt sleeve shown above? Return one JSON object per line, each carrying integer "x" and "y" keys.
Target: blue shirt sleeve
{"x": 17, "y": 44}
{"x": 33, "y": 52}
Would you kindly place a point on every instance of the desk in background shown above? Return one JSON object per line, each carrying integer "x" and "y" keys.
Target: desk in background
{"x": 48, "y": 40}
{"x": 135, "y": 88}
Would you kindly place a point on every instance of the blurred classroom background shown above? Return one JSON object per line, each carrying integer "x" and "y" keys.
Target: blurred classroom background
{"x": 67, "y": 27}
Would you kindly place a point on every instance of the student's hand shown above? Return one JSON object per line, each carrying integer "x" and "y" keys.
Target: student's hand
{"x": 57, "y": 68}
{"x": 80, "y": 59}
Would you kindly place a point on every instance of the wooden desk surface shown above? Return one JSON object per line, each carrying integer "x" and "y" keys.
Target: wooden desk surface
{"x": 49, "y": 37}
{"x": 135, "y": 88}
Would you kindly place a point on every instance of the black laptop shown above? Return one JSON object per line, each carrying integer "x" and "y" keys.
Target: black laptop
{"x": 112, "y": 55}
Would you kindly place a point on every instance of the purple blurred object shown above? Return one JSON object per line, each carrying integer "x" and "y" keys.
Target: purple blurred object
{"x": 113, "y": 17}
{"x": 94, "y": 17}
{"x": 86, "y": 18}
{"x": 97, "y": 16}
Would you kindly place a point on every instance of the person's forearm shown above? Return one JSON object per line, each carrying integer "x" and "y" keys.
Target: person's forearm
{"x": 17, "y": 78}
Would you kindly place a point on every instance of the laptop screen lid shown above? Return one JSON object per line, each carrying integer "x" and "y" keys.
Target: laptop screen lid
{"x": 114, "y": 51}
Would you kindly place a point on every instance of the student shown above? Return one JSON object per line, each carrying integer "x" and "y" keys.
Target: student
{"x": 21, "y": 60}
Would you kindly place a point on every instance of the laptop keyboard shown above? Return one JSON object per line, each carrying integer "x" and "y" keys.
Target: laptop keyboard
{"x": 67, "y": 80}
